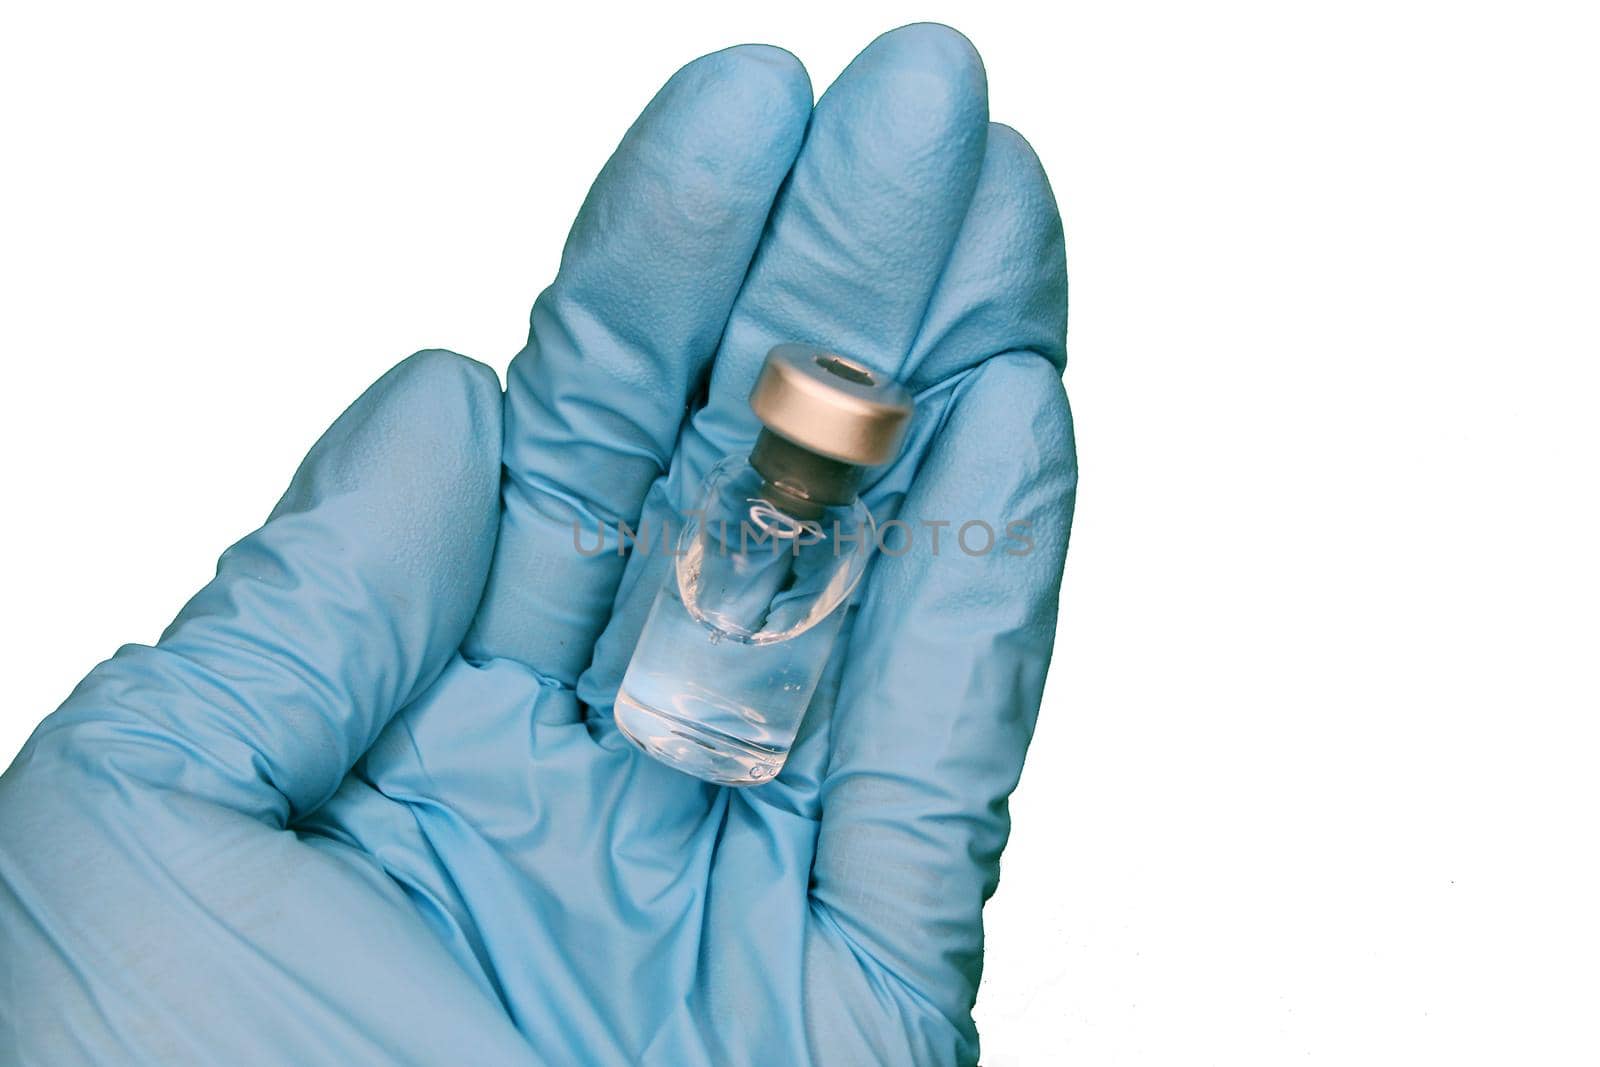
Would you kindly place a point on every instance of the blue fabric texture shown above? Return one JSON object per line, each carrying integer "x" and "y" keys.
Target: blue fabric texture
{"x": 364, "y": 801}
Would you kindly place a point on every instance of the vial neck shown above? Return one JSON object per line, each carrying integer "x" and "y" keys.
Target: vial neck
{"x": 799, "y": 481}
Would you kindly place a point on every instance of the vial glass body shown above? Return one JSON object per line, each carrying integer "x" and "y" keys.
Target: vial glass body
{"x": 742, "y": 627}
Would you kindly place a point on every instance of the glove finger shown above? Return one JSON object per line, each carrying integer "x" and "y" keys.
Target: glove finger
{"x": 621, "y": 339}
{"x": 942, "y": 685}
{"x": 853, "y": 251}
{"x": 281, "y": 672}
{"x": 864, "y": 229}
{"x": 1003, "y": 290}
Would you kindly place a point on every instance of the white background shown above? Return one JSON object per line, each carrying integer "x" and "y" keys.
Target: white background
{"x": 1315, "y": 780}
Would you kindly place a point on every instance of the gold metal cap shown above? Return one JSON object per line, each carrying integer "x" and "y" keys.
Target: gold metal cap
{"x": 831, "y": 405}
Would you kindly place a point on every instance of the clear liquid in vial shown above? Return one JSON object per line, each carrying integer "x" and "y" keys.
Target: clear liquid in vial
{"x": 741, "y": 630}
{"x": 712, "y": 704}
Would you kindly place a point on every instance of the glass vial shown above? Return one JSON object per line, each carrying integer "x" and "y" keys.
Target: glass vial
{"x": 740, "y": 632}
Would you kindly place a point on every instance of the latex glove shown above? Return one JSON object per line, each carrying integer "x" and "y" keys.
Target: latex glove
{"x": 304, "y": 828}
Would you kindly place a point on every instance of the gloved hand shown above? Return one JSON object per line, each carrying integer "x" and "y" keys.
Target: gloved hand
{"x": 364, "y": 802}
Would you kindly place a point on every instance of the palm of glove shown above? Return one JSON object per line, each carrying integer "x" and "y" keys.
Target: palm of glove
{"x": 365, "y": 803}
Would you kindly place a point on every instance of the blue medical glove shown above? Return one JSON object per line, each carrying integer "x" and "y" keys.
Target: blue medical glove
{"x": 365, "y": 802}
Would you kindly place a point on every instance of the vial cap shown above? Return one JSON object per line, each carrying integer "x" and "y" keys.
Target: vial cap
{"x": 831, "y": 405}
